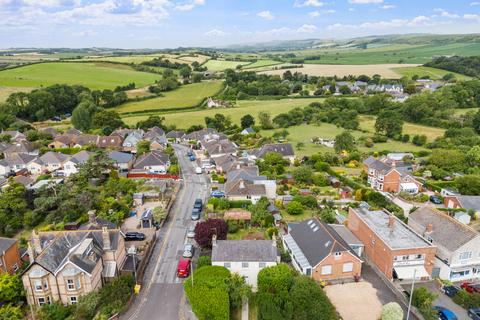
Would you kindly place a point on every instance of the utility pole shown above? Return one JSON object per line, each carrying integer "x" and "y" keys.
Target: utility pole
{"x": 411, "y": 294}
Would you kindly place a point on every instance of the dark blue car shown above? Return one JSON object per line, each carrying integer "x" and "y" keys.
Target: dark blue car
{"x": 445, "y": 314}
{"x": 217, "y": 194}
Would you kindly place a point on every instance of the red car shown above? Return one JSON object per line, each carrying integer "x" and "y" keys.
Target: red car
{"x": 471, "y": 287}
{"x": 183, "y": 269}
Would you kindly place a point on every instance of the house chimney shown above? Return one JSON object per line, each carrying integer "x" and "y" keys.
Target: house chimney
{"x": 92, "y": 218}
{"x": 238, "y": 166}
{"x": 31, "y": 253}
{"x": 214, "y": 240}
{"x": 391, "y": 221}
{"x": 106, "y": 238}
{"x": 242, "y": 184}
{"x": 429, "y": 228}
{"x": 37, "y": 246}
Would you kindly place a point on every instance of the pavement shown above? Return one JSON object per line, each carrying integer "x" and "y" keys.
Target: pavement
{"x": 442, "y": 299}
{"x": 162, "y": 296}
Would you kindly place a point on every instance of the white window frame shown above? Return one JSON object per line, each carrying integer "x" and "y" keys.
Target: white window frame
{"x": 73, "y": 300}
{"x": 70, "y": 286}
{"x": 347, "y": 267}
{"x": 465, "y": 255}
{"x": 326, "y": 270}
{"x": 37, "y": 283}
{"x": 227, "y": 265}
{"x": 262, "y": 265}
{"x": 245, "y": 265}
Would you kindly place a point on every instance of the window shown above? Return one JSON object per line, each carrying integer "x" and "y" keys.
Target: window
{"x": 262, "y": 265}
{"x": 419, "y": 256}
{"x": 42, "y": 300}
{"x": 15, "y": 267}
{"x": 226, "y": 264}
{"x": 77, "y": 282}
{"x": 327, "y": 270}
{"x": 405, "y": 257}
{"x": 348, "y": 267}
{"x": 244, "y": 264}
{"x": 465, "y": 255}
{"x": 338, "y": 255}
{"x": 73, "y": 300}
{"x": 70, "y": 284}
{"x": 38, "y": 285}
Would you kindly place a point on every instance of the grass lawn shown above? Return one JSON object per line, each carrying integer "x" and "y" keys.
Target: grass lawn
{"x": 261, "y": 63}
{"x": 242, "y": 233}
{"x": 186, "y": 119}
{"x": 93, "y": 75}
{"x": 434, "y": 73}
{"x": 220, "y": 65}
{"x": 463, "y": 111}
{"x": 367, "y": 123}
{"x": 184, "y": 97}
{"x": 305, "y": 215}
{"x": 304, "y": 133}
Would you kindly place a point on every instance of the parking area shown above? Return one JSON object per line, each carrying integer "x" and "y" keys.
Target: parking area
{"x": 361, "y": 300}
{"x": 442, "y": 300}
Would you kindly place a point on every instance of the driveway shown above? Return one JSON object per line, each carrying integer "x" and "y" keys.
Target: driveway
{"x": 361, "y": 300}
{"x": 442, "y": 300}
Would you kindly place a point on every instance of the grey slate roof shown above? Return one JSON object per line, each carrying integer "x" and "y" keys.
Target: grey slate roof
{"x": 317, "y": 240}
{"x": 5, "y": 244}
{"x": 248, "y": 173}
{"x": 377, "y": 165}
{"x": 244, "y": 251}
{"x": 285, "y": 149}
{"x": 52, "y": 157}
{"x": 446, "y": 231}
{"x": 20, "y": 147}
{"x": 469, "y": 202}
{"x": 220, "y": 147}
{"x": 120, "y": 157}
{"x": 81, "y": 157}
{"x": 14, "y": 159}
{"x": 152, "y": 158}
{"x": 175, "y": 134}
{"x": 244, "y": 188}
{"x": 345, "y": 234}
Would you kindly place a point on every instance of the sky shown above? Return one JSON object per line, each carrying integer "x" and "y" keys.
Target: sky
{"x": 175, "y": 23}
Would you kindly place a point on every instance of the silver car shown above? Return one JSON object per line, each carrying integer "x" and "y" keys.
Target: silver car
{"x": 191, "y": 232}
{"x": 188, "y": 250}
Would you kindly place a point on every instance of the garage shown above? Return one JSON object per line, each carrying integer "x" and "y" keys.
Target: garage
{"x": 410, "y": 272}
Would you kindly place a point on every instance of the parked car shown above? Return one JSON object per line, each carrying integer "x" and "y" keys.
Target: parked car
{"x": 183, "y": 268}
{"x": 198, "y": 204}
{"x": 192, "y": 158}
{"x": 188, "y": 250}
{"x": 217, "y": 194}
{"x": 445, "y": 314}
{"x": 436, "y": 200}
{"x": 471, "y": 287}
{"x": 134, "y": 236}
{"x": 451, "y": 291}
{"x": 198, "y": 170}
{"x": 191, "y": 232}
{"x": 195, "y": 214}
{"x": 189, "y": 153}
{"x": 474, "y": 313}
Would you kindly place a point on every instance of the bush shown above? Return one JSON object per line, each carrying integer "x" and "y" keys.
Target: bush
{"x": 294, "y": 208}
{"x": 320, "y": 180}
{"x": 378, "y": 138}
{"x": 54, "y": 311}
{"x": 272, "y": 231}
{"x": 306, "y": 201}
{"x": 204, "y": 261}
{"x": 419, "y": 140}
{"x": 467, "y": 300}
{"x": 11, "y": 312}
{"x": 232, "y": 226}
{"x": 392, "y": 311}
{"x": 206, "y": 229}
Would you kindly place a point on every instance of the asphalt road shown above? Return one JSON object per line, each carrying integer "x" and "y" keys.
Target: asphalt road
{"x": 162, "y": 295}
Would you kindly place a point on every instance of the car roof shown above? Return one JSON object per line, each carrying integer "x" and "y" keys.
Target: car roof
{"x": 183, "y": 263}
{"x": 446, "y": 311}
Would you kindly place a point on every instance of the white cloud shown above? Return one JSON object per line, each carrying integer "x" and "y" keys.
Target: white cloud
{"x": 189, "y": 6}
{"x": 315, "y": 14}
{"x": 388, "y": 6}
{"x": 351, "y": 9}
{"x": 475, "y": 3}
{"x": 364, "y": 1}
{"x": 308, "y": 3}
{"x": 42, "y": 3}
{"x": 470, "y": 16}
{"x": 307, "y": 28}
{"x": 215, "y": 33}
{"x": 265, "y": 15}
{"x": 380, "y": 25}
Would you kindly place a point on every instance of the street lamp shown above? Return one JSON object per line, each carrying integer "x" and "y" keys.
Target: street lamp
{"x": 411, "y": 294}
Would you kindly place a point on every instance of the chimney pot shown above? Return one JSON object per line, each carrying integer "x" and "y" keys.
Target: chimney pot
{"x": 31, "y": 253}
{"x": 92, "y": 218}
{"x": 242, "y": 184}
{"x": 429, "y": 228}
{"x": 37, "y": 246}
{"x": 391, "y": 221}
{"x": 106, "y": 238}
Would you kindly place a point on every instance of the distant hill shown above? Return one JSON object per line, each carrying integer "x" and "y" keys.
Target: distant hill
{"x": 469, "y": 66}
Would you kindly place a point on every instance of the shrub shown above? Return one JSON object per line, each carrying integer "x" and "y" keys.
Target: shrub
{"x": 294, "y": 208}
{"x": 232, "y": 226}
{"x": 206, "y": 229}
{"x": 11, "y": 312}
{"x": 467, "y": 300}
{"x": 272, "y": 231}
{"x": 419, "y": 140}
{"x": 392, "y": 311}
{"x": 204, "y": 261}
{"x": 306, "y": 201}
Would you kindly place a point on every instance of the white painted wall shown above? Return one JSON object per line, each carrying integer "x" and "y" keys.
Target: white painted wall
{"x": 250, "y": 273}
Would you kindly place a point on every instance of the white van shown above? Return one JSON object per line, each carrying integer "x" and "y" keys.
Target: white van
{"x": 198, "y": 170}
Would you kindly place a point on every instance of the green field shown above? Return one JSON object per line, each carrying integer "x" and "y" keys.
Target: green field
{"x": 305, "y": 133}
{"x": 434, "y": 73}
{"x": 184, "y": 97}
{"x": 186, "y": 119}
{"x": 397, "y": 53}
{"x": 124, "y": 59}
{"x": 367, "y": 123}
{"x": 261, "y": 63}
{"x": 220, "y": 65}
{"x": 6, "y": 91}
{"x": 93, "y": 75}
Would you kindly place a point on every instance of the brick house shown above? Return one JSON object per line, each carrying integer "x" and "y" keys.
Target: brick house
{"x": 391, "y": 245}
{"x": 463, "y": 202}
{"x": 319, "y": 252}
{"x": 388, "y": 175}
{"x": 10, "y": 259}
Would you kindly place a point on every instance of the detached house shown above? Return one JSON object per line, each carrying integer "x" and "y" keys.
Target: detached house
{"x": 50, "y": 161}
{"x": 176, "y": 136}
{"x": 250, "y": 175}
{"x": 62, "y": 141}
{"x": 130, "y": 142}
{"x": 393, "y": 247}
{"x": 388, "y": 175}
{"x": 284, "y": 149}
{"x": 109, "y": 142}
{"x": 463, "y": 202}
{"x": 319, "y": 252}
{"x": 19, "y": 147}
{"x": 15, "y": 163}
{"x": 458, "y": 245}
{"x": 152, "y": 162}
{"x": 218, "y": 148}
{"x": 121, "y": 160}
{"x": 244, "y": 190}
{"x": 71, "y": 165}
{"x": 66, "y": 265}
{"x": 14, "y": 135}
{"x": 245, "y": 257}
